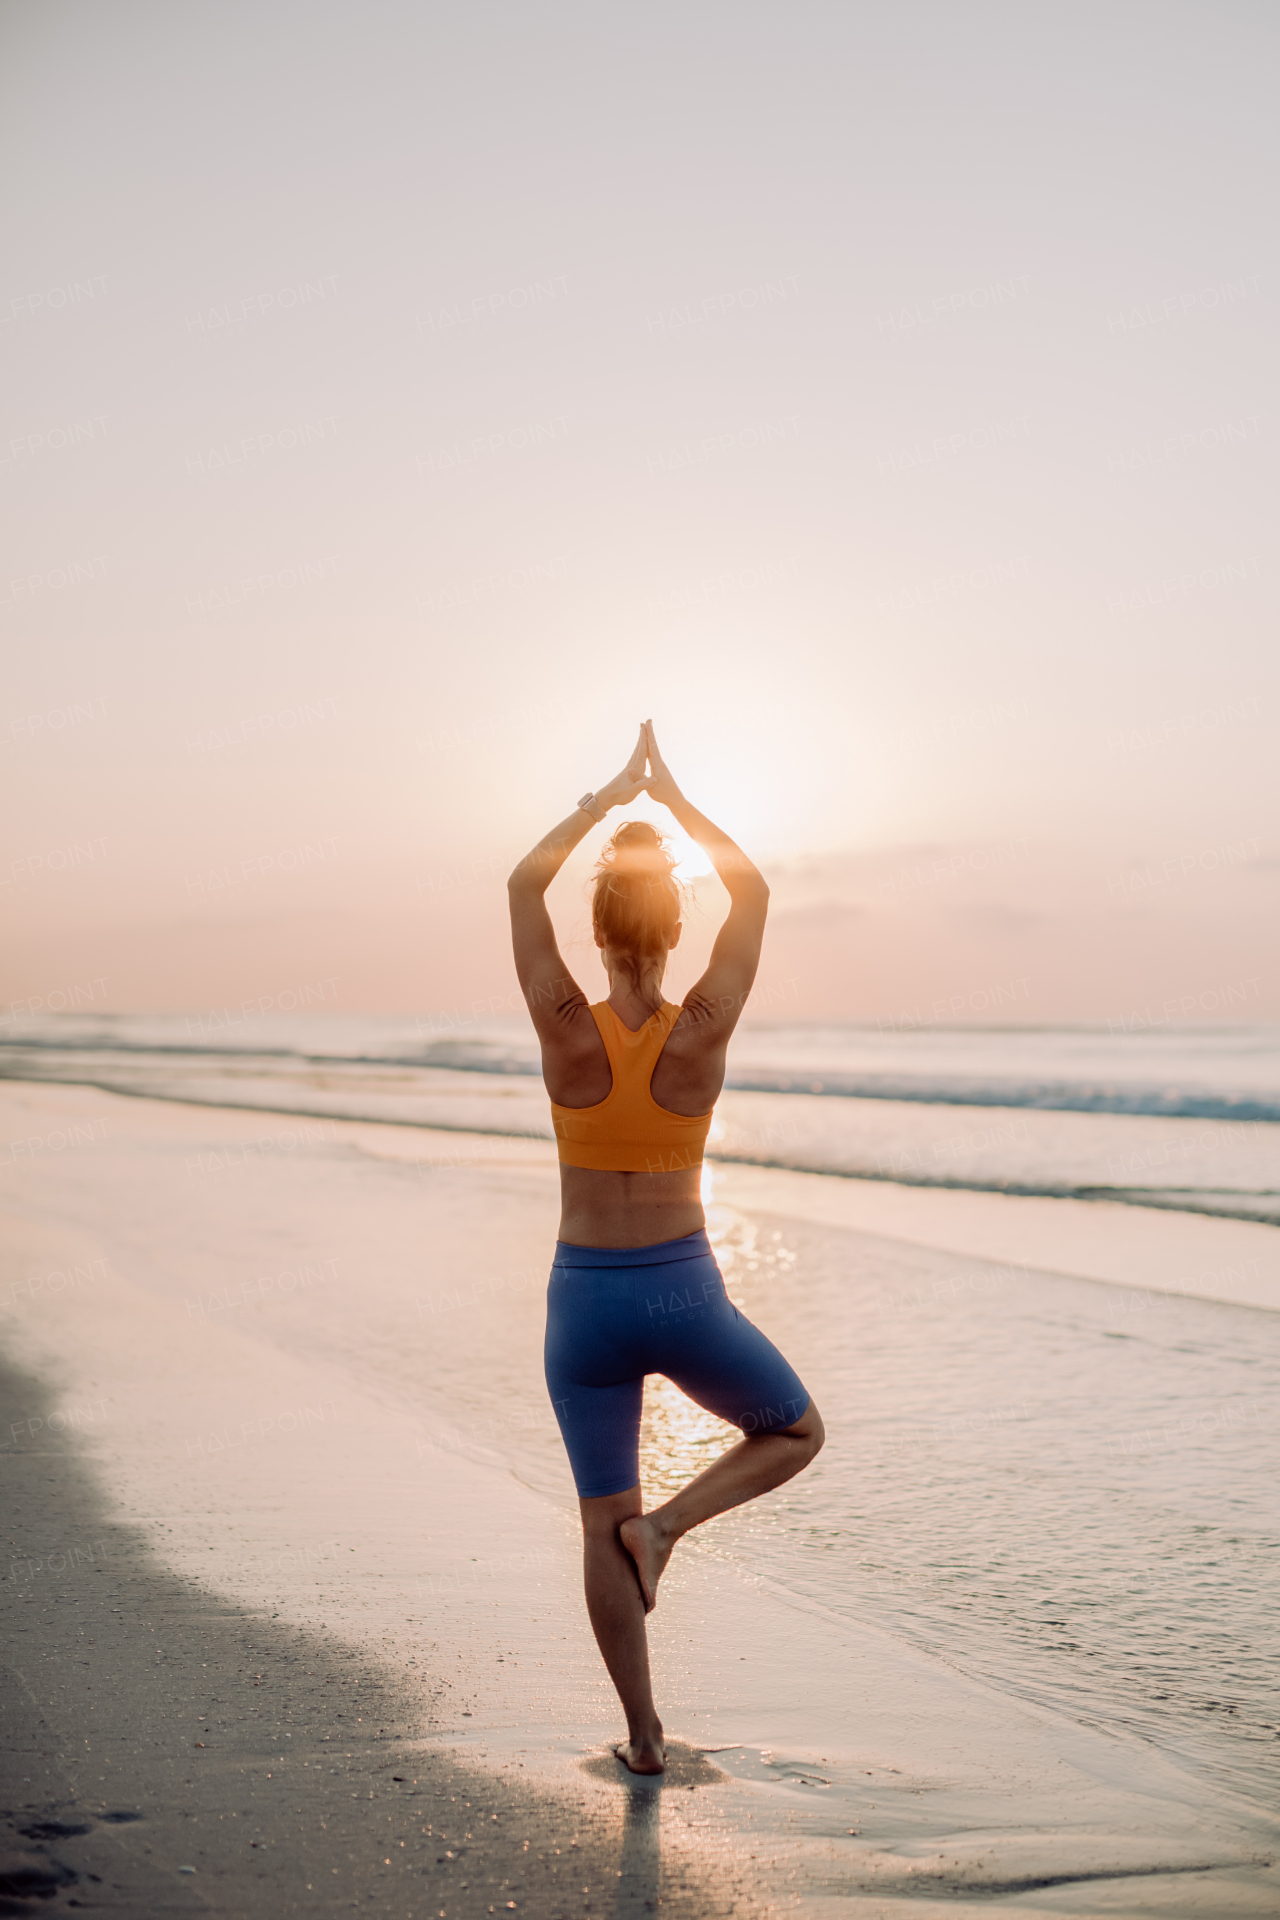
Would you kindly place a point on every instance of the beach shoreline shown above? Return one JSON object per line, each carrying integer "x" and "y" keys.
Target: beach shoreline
{"x": 273, "y": 1478}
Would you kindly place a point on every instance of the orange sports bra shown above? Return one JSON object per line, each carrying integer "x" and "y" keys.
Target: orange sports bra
{"x": 627, "y": 1131}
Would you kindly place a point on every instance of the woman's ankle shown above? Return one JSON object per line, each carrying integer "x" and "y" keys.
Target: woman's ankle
{"x": 665, "y": 1524}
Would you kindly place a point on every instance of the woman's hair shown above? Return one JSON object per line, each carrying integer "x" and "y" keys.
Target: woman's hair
{"x": 636, "y": 899}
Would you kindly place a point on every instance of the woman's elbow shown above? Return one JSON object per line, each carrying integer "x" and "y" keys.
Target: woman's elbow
{"x": 743, "y": 879}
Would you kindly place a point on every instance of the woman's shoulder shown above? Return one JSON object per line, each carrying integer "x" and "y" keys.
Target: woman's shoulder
{"x": 573, "y": 1030}
{"x": 696, "y": 1026}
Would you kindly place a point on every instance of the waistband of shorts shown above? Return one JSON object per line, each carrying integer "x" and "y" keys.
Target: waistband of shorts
{"x": 694, "y": 1246}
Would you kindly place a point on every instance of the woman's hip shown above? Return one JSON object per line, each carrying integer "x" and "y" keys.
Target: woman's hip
{"x": 608, "y": 1308}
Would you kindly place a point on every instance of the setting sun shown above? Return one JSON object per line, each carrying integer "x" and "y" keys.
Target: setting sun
{"x": 691, "y": 862}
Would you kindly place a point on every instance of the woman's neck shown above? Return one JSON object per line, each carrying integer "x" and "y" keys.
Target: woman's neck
{"x": 634, "y": 1005}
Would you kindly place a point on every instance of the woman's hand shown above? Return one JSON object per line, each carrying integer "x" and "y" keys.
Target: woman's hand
{"x": 626, "y": 785}
{"x": 660, "y": 784}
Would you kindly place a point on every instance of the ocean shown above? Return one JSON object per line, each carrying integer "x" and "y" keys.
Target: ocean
{"x": 1158, "y": 1115}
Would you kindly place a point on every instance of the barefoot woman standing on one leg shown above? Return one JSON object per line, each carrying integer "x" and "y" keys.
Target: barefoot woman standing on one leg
{"x": 635, "y": 1287}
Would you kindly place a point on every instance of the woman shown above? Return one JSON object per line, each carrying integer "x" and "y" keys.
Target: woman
{"x": 635, "y": 1287}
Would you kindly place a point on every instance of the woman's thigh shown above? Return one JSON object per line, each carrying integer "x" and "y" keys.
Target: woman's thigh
{"x": 595, "y": 1377}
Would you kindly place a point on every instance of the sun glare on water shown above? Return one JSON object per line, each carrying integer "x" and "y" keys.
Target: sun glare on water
{"x": 678, "y": 1438}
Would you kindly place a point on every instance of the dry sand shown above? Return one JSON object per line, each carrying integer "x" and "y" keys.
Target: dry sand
{"x": 252, "y": 1605}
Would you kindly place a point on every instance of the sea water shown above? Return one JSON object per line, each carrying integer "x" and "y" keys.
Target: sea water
{"x": 1159, "y": 1115}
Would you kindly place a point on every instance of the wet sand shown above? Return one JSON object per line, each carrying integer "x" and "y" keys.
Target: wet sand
{"x": 294, "y": 1596}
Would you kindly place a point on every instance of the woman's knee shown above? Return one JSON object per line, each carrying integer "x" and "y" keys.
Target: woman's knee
{"x": 602, "y": 1517}
{"x": 810, "y": 1431}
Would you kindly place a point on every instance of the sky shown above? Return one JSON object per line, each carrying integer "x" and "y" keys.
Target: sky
{"x": 404, "y": 400}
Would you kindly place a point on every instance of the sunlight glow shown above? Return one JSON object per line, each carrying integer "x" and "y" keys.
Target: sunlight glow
{"x": 691, "y": 861}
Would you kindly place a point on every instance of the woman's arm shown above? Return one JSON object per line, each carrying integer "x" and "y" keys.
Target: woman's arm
{"x": 545, "y": 981}
{"x": 717, "y": 999}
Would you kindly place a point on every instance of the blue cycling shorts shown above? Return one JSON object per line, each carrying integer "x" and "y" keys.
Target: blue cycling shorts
{"x": 614, "y": 1315}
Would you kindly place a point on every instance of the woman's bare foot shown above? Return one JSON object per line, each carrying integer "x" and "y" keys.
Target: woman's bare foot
{"x": 650, "y": 1548}
{"x": 643, "y": 1756}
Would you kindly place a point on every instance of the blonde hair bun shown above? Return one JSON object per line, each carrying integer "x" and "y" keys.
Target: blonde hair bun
{"x": 635, "y": 902}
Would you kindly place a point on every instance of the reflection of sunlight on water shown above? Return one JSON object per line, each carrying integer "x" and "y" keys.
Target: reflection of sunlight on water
{"x": 677, "y": 1439}
{"x": 746, "y": 1259}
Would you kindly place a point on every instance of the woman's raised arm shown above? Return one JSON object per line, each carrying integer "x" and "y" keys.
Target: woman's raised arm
{"x": 717, "y": 999}
{"x": 545, "y": 981}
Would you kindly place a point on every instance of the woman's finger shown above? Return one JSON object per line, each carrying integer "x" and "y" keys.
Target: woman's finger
{"x": 636, "y": 763}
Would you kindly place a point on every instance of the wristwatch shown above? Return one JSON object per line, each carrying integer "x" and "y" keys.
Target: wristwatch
{"x": 585, "y": 804}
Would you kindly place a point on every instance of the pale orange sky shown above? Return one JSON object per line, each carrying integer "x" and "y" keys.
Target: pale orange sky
{"x": 401, "y": 405}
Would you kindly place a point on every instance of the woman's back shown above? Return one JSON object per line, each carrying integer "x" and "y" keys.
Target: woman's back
{"x": 629, "y": 1128}
{"x": 631, "y": 1123}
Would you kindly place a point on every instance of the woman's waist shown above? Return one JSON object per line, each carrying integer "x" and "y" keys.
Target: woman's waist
{"x": 609, "y": 1211}
{"x": 633, "y": 1193}
{"x": 661, "y": 1253}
